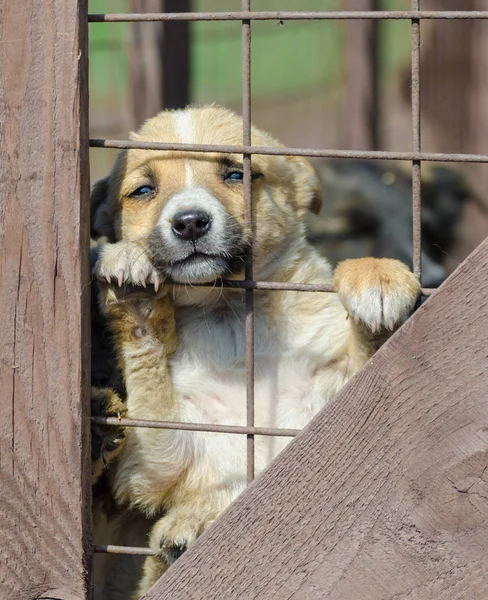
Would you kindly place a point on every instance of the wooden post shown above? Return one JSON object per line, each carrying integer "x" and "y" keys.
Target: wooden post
{"x": 145, "y": 63}
{"x": 385, "y": 493}
{"x": 176, "y": 55}
{"x": 159, "y": 61}
{"x": 361, "y": 114}
{"x": 45, "y": 522}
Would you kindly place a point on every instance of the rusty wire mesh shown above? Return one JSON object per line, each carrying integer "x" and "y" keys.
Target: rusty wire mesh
{"x": 415, "y": 156}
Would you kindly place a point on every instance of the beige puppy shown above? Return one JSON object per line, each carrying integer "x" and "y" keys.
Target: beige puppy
{"x": 181, "y": 216}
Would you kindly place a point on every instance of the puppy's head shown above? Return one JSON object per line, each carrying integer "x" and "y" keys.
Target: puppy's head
{"x": 188, "y": 208}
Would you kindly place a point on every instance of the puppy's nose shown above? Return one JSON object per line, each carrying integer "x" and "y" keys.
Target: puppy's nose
{"x": 190, "y": 224}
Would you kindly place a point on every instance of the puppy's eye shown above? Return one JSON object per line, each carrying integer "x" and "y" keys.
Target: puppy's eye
{"x": 143, "y": 192}
{"x": 234, "y": 176}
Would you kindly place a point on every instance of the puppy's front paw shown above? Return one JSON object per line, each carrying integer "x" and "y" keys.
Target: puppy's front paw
{"x": 379, "y": 292}
{"x": 126, "y": 263}
{"x": 177, "y": 530}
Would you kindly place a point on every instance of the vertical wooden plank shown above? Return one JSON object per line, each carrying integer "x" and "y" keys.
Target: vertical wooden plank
{"x": 159, "y": 60}
{"x": 176, "y": 53}
{"x": 45, "y": 522}
{"x": 361, "y": 118}
{"x": 146, "y": 63}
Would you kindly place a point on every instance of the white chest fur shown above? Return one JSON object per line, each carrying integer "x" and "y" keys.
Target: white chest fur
{"x": 293, "y": 379}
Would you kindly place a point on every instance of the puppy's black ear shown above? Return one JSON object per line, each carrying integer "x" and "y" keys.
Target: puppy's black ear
{"x": 309, "y": 188}
{"x": 102, "y": 224}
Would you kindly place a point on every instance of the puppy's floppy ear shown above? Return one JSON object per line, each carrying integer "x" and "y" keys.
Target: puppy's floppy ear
{"x": 101, "y": 220}
{"x": 308, "y": 185}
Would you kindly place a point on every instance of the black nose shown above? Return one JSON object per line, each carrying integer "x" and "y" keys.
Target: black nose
{"x": 190, "y": 224}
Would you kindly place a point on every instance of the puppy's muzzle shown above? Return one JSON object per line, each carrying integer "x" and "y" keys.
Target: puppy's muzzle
{"x": 191, "y": 225}
{"x": 196, "y": 239}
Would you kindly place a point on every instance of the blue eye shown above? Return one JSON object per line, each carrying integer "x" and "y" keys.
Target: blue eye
{"x": 234, "y": 176}
{"x": 144, "y": 190}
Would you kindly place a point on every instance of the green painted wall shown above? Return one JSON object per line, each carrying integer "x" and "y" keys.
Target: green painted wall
{"x": 286, "y": 59}
{"x": 108, "y": 57}
{"x": 293, "y": 58}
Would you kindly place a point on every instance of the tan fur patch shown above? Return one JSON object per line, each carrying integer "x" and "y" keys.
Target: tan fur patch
{"x": 286, "y": 189}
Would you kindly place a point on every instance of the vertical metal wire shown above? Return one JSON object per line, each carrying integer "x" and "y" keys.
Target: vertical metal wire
{"x": 416, "y": 142}
{"x": 374, "y": 53}
{"x": 246, "y": 117}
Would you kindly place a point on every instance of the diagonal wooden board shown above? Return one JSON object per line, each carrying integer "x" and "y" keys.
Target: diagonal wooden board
{"x": 385, "y": 494}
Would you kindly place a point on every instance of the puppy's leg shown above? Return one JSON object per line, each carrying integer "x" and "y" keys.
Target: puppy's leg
{"x": 159, "y": 471}
{"x": 143, "y": 327}
{"x": 106, "y": 441}
{"x": 196, "y": 502}
{"x": 145, "y": 338}
{"x": 378, "y": 294}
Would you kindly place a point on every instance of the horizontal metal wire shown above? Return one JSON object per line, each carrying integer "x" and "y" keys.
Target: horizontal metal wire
{"x": 237, "y": 429}
{"x": 134, "y": 550}
{"x": 309, "y": 152}
{"x": 275, "y": 286}
{"x": 287, "y": 16}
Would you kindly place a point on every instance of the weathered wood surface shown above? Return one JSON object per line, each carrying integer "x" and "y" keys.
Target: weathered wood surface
{"x": 44, "y": 428}
{"x": 176, "y": 53}
{"x": 146, "y": 63}
{"x": 385, "y": 494}
{"x": 361, "y": 116}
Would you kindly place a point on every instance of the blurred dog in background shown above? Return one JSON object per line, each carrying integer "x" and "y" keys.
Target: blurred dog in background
{"x": 367, "y": 211}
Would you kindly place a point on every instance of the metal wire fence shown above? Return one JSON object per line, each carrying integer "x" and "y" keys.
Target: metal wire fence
{"x": 415, "y": 156}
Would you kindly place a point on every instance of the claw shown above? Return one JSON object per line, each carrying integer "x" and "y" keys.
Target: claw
{"x": 143, "y": 283}
{"x": 108, "y": 278}
{"x": 157, "y": 282}
{"x": 120, "y": 278}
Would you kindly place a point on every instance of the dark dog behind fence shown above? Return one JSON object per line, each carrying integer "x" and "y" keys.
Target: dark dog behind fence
{"x": 368, "y": 212}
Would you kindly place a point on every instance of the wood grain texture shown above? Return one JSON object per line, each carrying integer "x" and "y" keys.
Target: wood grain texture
{"x": 385, "y": 494}
{"x": 176, "y": 54}
{"x": 44, "y": 273}
{"x": 159, "y": 61}
{"x": 361, "y": 118}
{"x": 146, "y": 63}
